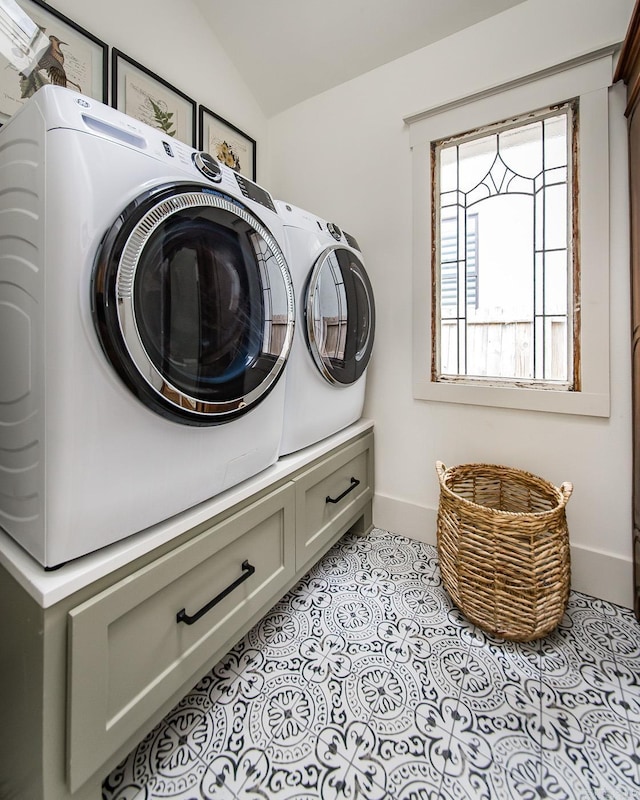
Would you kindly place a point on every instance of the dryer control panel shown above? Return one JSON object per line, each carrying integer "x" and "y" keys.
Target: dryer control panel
{"x": 299, "y": 218}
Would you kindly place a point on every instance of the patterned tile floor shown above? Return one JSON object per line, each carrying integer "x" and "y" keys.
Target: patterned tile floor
{"x": 365, "y": 683}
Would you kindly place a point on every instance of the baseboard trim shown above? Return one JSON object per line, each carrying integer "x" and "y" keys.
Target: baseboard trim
{"x": 594, "y": 572}
{"x": 602, "y": 575}
{"x": 407, "y": 519}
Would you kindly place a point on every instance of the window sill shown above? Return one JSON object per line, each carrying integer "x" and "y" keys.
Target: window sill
{"x": 587, "y": 403}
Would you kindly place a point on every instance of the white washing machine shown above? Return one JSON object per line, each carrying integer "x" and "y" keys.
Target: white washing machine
{"x": 146, "y": 316}
{"x": 334, "y": 333}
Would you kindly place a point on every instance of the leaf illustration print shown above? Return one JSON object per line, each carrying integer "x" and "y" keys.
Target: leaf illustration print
{"x": 164, "y": 119}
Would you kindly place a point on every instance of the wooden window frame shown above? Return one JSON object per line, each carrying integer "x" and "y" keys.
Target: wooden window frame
{"x": 589, "y": 79}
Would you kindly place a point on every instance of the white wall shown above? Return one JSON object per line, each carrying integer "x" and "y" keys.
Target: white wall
{"x": 345, "y": 155}
{"x": 173, "y": 40}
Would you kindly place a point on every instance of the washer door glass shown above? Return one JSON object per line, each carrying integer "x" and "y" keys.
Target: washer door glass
{"x": 340, "y": 316}
{"x": 193, "y": 304}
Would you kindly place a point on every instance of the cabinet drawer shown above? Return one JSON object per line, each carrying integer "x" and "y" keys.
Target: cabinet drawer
{"x": 330, "y": 494}
{"x": 129, "y": 654}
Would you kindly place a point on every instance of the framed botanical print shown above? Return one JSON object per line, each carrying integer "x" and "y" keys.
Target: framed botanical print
{"x": 43, "y": 46}
{"x": 150, "y": 99}
{"x": 228, "y": 144}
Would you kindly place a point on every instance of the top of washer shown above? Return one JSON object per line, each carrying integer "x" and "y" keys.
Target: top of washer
{"x": 63, "y": 108}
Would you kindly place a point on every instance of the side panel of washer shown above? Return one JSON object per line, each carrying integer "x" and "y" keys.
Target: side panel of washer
{"x": 22, "y": 412}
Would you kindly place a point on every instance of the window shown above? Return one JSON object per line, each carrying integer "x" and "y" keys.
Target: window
{"x": 510, "y": 258}
{"x": 516, "y": 180}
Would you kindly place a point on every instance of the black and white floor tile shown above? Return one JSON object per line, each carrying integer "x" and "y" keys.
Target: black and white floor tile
{"x": 366, "y": 683}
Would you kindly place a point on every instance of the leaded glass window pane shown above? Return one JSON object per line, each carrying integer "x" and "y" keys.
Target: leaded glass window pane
{"x": 504, "y": 262}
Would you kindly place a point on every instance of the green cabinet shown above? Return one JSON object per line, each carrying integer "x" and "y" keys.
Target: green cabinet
{"x": 83, "y": 680}
{"x": 328, "y": 495}
{"x": 128, "y": 652}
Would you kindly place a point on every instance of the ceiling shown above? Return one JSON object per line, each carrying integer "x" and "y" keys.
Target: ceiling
{"x": 290, "y": 50}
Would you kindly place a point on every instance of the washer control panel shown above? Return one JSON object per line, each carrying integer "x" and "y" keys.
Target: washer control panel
{"x": 254, "y": 192}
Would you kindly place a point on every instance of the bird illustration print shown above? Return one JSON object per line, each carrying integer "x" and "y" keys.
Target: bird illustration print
{"x": 51, "y": 63}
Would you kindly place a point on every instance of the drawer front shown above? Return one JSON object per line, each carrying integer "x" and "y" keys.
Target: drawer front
{"x": 129, "y": 653}
{"x": 329, "y": 495}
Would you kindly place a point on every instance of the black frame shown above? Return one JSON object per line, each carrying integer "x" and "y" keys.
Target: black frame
{"x": 61, "y": 19}
{"x": 117, "y": 101}
{"x": 250, "y": 143}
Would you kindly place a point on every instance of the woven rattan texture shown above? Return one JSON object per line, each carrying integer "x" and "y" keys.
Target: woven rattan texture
{"x": 503, "y": 545}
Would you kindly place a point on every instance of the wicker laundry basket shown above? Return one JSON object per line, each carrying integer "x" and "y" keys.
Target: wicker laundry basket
{"x": 503, "y": 546}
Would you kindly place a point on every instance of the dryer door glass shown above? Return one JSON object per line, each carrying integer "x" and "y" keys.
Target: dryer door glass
{"x": 194, "y": 305}
{"x": 340, "y": 316}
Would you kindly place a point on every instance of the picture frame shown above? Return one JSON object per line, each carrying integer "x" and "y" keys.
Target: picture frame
{"x": 147, "y": 97}
{"x": 78, "y": 59}
{"x": 228, "y": 144}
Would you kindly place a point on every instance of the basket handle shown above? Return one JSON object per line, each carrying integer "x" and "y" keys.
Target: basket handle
{"x": 441, "y": 470}
{"x": 566, "y": 490}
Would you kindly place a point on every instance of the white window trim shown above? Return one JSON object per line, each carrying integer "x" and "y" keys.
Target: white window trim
{"x": 589, "y": 79}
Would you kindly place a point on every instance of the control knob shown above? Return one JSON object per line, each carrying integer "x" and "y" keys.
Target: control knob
{"x": 208, "y": 166}
{"x": 334, "y": 230}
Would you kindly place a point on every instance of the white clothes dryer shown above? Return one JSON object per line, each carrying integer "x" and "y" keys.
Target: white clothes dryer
{"x": 146, "y": 316}
{"x": 334, "y": 335}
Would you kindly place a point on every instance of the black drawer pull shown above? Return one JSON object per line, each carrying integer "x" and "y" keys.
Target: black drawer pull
{"x": 354, "y": 482}
{"x": 182, "y": 615}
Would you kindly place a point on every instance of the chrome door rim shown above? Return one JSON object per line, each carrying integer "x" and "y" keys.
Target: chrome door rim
{"x": 312, "y": 288}
{"x": 125, "y": 279}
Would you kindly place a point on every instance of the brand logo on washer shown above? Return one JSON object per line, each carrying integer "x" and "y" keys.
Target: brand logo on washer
{"x": 83, "y": 103}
